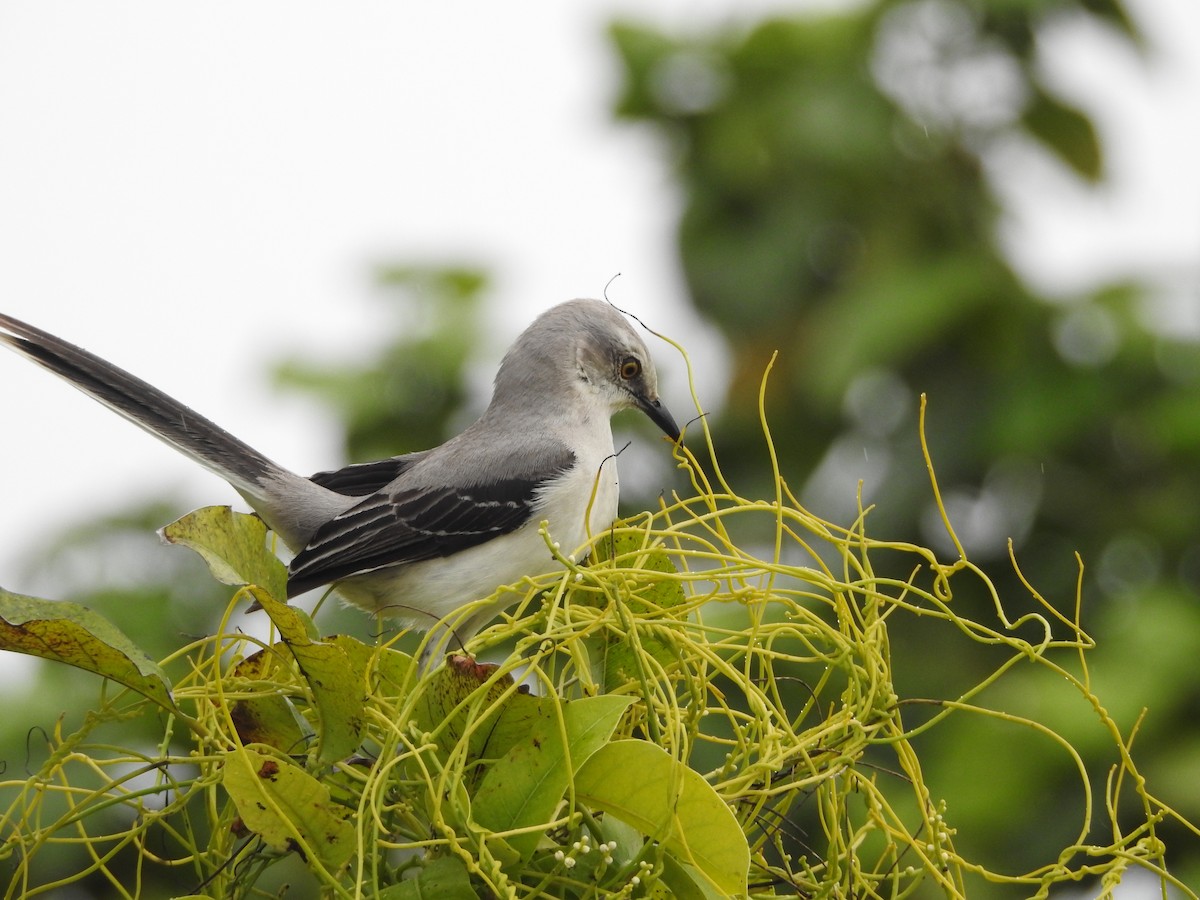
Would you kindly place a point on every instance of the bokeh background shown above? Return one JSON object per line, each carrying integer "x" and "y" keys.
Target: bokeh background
{"x": 321, "y": 227}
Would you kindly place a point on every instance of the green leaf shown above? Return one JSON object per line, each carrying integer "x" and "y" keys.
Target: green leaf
{"x": 1067, "y": 132}
{"x": 337, "y": 680}
{"x": 389, "y": 668}
{"x": 271, "y": 718}
{"x": 623, "y": 660}
{"x": 686, "y": 882}
{"x": 641, "y": 50}
{"x": 444, "y": 878}
{"x": 69, "y": 633}
{"x": 1113, "y": 12}
{"x": 525, "y": 786}
{"x": 514, "y": 724}
{"x": 441, "y": 710}
{"x": 629, "y": 550}
{"x": 233, "y": 546}
{"x": 647, "y": 595}
{"x": 288, "y": 808}
{"x": 294, "y": 624}
{"x": 267, "y": 718}
{"x": 393, "y": 676}
{"x": 641, "y": 784}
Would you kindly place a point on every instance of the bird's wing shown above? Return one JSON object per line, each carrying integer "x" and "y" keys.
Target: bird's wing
{"x": 364, "y": 479}
{"x": 404, "y": 525}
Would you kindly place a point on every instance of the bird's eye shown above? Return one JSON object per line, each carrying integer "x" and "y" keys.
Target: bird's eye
{"x": 630, "y": 368}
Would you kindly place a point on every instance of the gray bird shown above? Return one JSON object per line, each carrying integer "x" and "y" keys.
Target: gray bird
{"x": 415, "y": 537}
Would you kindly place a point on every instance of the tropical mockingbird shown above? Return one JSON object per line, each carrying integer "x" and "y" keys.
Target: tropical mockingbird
{"x": 415, "y": 537}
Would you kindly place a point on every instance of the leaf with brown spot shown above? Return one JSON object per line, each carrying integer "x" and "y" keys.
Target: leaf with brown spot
{"x": 69, "y": 633}
{"x": 266, "y": 715}
{"x": 336, "y": 677}
{"x": 289, "y": 808}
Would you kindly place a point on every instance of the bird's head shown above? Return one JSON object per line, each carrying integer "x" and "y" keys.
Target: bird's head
{"x": 590, "y": 344}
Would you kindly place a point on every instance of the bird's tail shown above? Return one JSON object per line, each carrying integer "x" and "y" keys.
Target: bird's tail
{"x": 248, "y": 471}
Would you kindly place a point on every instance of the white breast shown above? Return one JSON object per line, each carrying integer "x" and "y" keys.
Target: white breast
{"x": 565, "y": 504}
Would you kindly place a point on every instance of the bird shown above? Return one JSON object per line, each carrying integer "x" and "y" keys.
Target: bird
{"x": 416, "y": 537}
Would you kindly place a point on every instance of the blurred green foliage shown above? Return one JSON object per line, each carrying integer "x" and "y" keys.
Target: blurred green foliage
{"x": 839, "y": 210}
{"x": 403, "y": 396}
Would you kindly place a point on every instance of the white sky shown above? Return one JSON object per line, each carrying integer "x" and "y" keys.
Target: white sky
{"x": 194, "y": 190}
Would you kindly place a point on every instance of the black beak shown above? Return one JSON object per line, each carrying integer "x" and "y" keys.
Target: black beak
{"x": 659, "y": 416}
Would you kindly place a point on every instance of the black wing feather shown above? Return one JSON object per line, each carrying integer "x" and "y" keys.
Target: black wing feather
{"x": 364, "y": 479}
{"x": 411, "y": 525}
